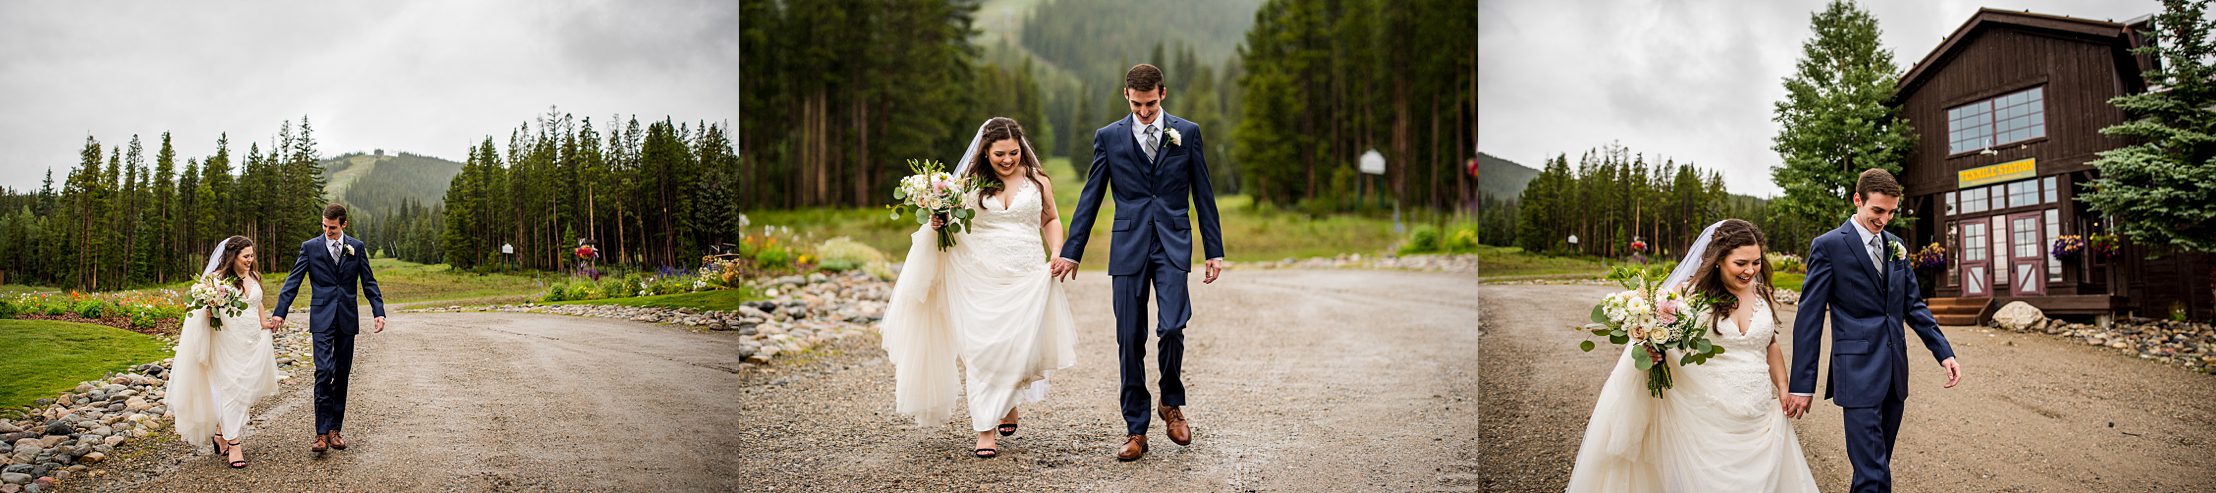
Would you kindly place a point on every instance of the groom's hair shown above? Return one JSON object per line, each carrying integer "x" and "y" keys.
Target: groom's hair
{"x": 1143, "y": 78}
{"x": 335, "y": 211}
{"x": 1876, "y": 180}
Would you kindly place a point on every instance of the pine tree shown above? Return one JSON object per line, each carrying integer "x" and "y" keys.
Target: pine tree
{"x": 2156, "y": 187}
{"x": 1836, "y": 119}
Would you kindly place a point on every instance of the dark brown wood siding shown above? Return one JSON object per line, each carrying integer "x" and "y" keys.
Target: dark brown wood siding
{"x": 2079, "y": 76}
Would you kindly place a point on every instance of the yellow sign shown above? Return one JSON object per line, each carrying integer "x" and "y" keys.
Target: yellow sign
{"x": 2012, "y": 170}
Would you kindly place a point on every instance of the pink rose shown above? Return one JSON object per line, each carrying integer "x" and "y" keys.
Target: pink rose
{"x": 1667, "y": 312}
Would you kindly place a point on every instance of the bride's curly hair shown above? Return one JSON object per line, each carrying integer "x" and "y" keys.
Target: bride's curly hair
{"x": 1709, "y": 280}
{"x": 229, "y": 266}
{"x": 998, "y": 129}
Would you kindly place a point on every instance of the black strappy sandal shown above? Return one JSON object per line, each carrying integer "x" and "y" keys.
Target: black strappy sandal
{"x": 986, "y": 453}
{"x": 1007, "y": 429}
{"x": 236, "y": 463}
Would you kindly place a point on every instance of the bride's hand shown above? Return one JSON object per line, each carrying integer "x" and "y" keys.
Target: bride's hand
{"x": 938, "y": 221}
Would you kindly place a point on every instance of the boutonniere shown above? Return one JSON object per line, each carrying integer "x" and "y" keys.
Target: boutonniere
{"x": 1176, "y": 139}
{"x": 1895, "y": 250}
{"x": 349, "y": 249}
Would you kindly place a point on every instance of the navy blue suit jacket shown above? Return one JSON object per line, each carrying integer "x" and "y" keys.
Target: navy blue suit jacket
{"x": 1151, "y": 198}
{"x": 1868, "y": 354}
{"x": 333, "y": 304}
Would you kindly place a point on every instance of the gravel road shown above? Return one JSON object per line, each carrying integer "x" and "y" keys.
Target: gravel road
{"x": 1298, "y": 380}
{"x": 488, "y": 402}
{"x": 2033, "y": 413}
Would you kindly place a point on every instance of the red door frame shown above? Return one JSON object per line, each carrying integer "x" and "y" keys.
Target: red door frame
{"x": 1977, "y": 278}
{"x": 2034, "y": 265}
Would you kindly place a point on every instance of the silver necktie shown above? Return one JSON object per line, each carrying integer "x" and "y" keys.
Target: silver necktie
{"x": 1152, "y": 143}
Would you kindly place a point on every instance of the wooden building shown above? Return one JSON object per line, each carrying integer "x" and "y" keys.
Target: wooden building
{"x": 2008, "y": 112}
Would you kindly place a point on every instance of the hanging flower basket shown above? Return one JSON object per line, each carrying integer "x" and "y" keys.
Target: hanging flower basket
{"x": 2104, "y": 247}
{"x": 1933, "y": 258}
{"x": 2068, "y": 247}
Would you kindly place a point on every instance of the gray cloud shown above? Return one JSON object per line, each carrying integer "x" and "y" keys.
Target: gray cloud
{"x": 1690, "y": 80}
{"x": 427, "y": 77}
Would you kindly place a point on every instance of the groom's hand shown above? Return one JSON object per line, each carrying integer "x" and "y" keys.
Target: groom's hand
{"x": 1954, "y": 372}
{"x": 380, "y": 326}
{"x": 1063, "y": 269}
{"x": 1796, "y": 406}
{"x": 1214, "y": 269}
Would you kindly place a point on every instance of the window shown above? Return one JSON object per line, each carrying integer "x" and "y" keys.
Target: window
{"x": 2023, "y": 193}
{"x": 1973, "y": 200}
{"x": 1954, "y": 239}
{"x": 2054, "y": 230}
{"x": 1999, "y": 231}
{"x": 2013, "y": 117}
{"x": 1950, "y": 207}
{"x": 2049, "y": 198}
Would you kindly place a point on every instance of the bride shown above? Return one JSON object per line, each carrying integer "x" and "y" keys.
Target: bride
{"x": 988, "y": 301}
{"x": 1722, "y": 427}
{"x": 219, "y": 372}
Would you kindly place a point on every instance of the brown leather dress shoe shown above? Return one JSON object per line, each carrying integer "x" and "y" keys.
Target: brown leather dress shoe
{"x": 1134, "y": 447}
{"x": 321, "y": 442}
{"x": 336, "y": 441}
{"x": 1173, "y": 421}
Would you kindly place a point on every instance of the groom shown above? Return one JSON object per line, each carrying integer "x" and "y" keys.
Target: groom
{"x": 335, "y": 262}
{"x": 1859, "y": 274}
{"x": 1155, "y": 161}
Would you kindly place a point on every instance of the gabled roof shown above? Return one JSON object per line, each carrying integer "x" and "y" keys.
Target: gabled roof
{"x": 2119, "y": 36}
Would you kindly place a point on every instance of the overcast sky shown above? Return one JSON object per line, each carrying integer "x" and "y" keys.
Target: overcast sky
{"x": 1693, "y": 80}
{"x": 428, "y": 77}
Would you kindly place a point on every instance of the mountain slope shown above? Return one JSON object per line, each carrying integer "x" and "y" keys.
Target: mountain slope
{"x": 1502, "y": 178}
{"x": 380, "y": 182}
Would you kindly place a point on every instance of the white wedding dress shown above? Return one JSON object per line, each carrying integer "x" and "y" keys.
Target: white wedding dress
{"x": 1720, "y": 428}
{"x": 218, "y": 374}
{"x": 990, "y": 302}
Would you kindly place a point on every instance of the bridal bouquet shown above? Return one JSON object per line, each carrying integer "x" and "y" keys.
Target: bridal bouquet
{"x": 214, "y": 293}
{"x": 1657, "y": 319}
{"x": 934, "y": 192}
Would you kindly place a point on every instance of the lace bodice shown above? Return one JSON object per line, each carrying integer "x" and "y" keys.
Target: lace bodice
{"x": 1740, "y": 377}
{"x": 1008, "y": 237}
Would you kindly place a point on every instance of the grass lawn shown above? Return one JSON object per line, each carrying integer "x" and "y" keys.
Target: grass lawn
{"x": 400, "y": 282}
{"x": 721, "y": 299}
{"x": 1495, "y": 263}
{"x": 1250, "y": 234}
{"x": 1782, "y": 280}
{"x": 40, "y": 358}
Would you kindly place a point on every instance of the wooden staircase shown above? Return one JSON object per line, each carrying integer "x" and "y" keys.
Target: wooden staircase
{"x": 1958, "y": 311}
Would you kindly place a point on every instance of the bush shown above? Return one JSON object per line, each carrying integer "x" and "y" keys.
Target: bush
{"x": 1424, "y": 239}
{"x": 556, "y": 292}
{"x": 8, "y": 309}
{"x": 92, "y": 308}
{"x": 1786, "y": 264}
{"x": 143, "y": 319}
{"x": 842, "y": 254}
{"x": 1463, "y": 240}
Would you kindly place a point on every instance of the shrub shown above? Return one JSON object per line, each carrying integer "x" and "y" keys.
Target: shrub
{"x": 843, "y": 254}
{"x": 8, "y": 309}
{"x": 1786, "y": 263}
{"x": 1424, "y": 239}
{"x": 1463, "y": 240}
{"x": 91, "y": 308}
{"x": 556, "y": 292}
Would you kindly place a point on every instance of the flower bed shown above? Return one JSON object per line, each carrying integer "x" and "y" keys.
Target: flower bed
{"x": 149, "y": 312}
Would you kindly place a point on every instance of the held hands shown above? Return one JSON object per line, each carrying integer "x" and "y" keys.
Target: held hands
{"x": 1795, "y": 405}
{"x": 1062, "y": 269}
